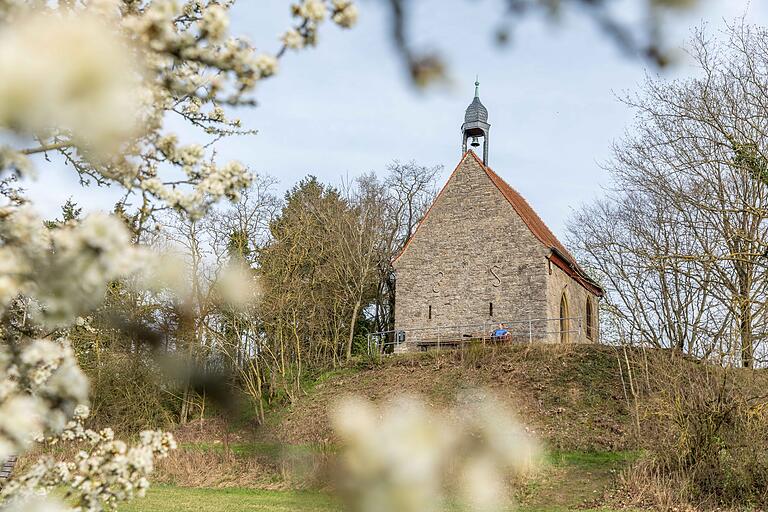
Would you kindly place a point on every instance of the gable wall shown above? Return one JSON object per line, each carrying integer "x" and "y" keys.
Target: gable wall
{"x": 470, "y": 230}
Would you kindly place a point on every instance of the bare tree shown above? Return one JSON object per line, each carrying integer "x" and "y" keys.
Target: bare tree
{"x": 243, "y": 227}
{"x": 689, "y": 180}
{"x": 360, "y": 248}
{"x": 410, "y": 191}
{"x": 653, "y": 299}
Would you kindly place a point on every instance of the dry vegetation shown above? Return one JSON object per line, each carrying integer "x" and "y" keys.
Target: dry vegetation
{"x": 623, "y": 427}
{"x": 698, "y": 429}
{"x": 702, "y": 430}
{"x": 571, "y": 397}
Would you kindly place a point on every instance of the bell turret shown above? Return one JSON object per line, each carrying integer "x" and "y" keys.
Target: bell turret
{"x": 476, "y": 125}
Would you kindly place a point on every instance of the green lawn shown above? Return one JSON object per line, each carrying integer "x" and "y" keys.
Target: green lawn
{"x": 569, "y": 480}
{"x": 590, "y": 460}
{"x": 179, "y": 499}
{"x": 182, "y": 499}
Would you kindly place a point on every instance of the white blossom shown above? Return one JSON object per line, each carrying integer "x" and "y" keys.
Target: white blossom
{"x": 83, "y": 84}
{"x": 94, "y": 81}
{"x": 22, "y": 226}
{"x": 215, "y": 22}
{"x": 405, "y": 457}
{"x": 55, "y": 386}
{"x": 314, "y": 10}
{"x": 10, "y": 267}
{"x": 12, "y": 159}
{"x": 108, "y": 472}
{"x": 71, "y": 275}
{"x": 345, "y": 13}
{"x": 38, "y": 504}
{"x": 266, "y": 64}
{"x": 293, "y": 39}
{"x": 237, "y": 286}
{"x": 21, "y": 420}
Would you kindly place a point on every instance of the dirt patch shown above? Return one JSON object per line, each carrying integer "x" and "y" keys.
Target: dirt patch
{"x": 575, "y": 480}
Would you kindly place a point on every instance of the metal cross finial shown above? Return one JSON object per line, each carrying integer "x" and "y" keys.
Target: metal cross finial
{"x": 477, "y": 86}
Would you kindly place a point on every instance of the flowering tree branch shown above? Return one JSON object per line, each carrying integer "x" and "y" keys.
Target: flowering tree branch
{"x": 97, "y": 100}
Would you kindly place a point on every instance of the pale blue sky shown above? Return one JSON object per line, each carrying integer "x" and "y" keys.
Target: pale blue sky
{"x": 346, "y": 107}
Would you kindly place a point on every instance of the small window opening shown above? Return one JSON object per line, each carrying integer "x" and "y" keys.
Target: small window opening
{"x": 563, "y": 319}
{"x": 590, "y": 320}
{"x": 490, "y": 309}
{"x": 429, "y": 314}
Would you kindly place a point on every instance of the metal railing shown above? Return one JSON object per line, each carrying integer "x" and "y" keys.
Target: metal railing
{"x": 6, "y": 468}
{"x": 452, "y": 336}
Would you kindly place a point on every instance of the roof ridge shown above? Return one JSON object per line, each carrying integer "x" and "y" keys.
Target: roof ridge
{"x": 548, "y": 237}
{"x": 535, "y": 224}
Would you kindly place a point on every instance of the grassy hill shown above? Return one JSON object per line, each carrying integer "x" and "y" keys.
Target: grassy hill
{"x": 571, "y": 397}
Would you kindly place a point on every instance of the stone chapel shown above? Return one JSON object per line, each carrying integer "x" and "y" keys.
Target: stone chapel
{"x": 482, "y": 257}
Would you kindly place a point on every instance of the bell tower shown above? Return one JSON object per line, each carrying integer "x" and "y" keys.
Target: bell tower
{"x": 476, "y": 125}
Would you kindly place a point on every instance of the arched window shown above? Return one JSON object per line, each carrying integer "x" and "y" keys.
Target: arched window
{"x": 563, "y": 319}
{"x": 590, "y": 320}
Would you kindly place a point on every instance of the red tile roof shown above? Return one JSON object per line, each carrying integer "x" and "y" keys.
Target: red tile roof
{"x": 529, "y": 216}
{"x": 559, "y": 255}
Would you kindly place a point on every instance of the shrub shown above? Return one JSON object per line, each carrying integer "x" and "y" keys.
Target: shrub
{"x": 703, "y": 430}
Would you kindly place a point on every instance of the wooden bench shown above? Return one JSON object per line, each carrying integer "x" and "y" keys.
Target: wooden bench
{"x": 456, "y": 341}
{"x": 447, "y": 343}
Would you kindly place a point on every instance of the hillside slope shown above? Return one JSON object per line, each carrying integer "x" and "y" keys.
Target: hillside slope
{"x": 571, "y": 397}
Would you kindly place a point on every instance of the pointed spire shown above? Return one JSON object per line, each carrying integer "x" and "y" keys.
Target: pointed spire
{"x": 476, "y": 123}
{"x": 476, "y": 111}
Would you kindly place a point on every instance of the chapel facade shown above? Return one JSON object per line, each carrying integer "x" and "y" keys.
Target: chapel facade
{"x": 481, "y": 257}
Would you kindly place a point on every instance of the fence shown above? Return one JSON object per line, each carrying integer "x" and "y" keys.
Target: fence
{"x": 6, "y": 468}
{"x": 453, "y": 336}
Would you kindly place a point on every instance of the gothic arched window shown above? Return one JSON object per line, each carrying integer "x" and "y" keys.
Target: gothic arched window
{"x": 590, "y": 318}
{"x": 563, "y": 319}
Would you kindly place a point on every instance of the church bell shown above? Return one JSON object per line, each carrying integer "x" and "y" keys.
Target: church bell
{"x": 475, "y": 125}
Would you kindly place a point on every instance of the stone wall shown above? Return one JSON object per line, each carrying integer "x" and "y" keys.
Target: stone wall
{"x": 559, "y": 283}
{"x": 470, "y": 251}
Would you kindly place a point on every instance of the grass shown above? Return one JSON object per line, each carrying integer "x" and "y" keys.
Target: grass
{"x": 180, "y": 499}
{"x": 184, "y": 499}
{"x": 587, "y": 460}
{"x": 573, "y": 479}
{"x": 570, "y": 480}
{"x": 572, "y": 398}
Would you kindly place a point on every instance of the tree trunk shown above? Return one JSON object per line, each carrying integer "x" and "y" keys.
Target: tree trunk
{"x": 745, "y": 333}
{"x": 352, "y": 328}
{"x": 391, "y": 319}
{"x": 184, "y": 416}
